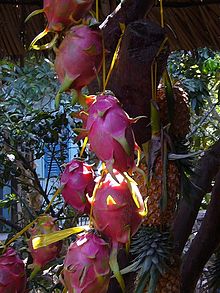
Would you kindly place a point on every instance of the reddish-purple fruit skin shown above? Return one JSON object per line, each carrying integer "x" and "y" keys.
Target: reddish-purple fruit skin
{"x": 79, "y": 57}
{"x": 86, "y": 265}
{"x": 110, "y": 133}
{"x": 115, "y": 213}
{"x": 77, "y": 181}
{"x": 12, "y": 273}
{"x": 43, "y": 255}
{"x": 63, "y": 13}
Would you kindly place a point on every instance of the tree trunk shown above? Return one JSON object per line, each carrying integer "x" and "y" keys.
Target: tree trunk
{"x": 204, "y": 244}
{"x": 188, "y": 209}
{"x": 131, "y": 79}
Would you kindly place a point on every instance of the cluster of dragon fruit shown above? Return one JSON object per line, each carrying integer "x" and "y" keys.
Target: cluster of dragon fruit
{"x": 112, "y": 199}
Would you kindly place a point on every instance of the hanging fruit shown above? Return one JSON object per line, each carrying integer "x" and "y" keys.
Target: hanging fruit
{"x": 157, "y": 216}
{"x": 86, "y": 265}
{"x": 60, "y": 15}
{"x": 79, "y": 58}
{"x": 77, "y": 180}
{"x": 180, "y": 124}
{"x": 12, "y": 273}
{"x": 114, "y": 211}
{"x": 110, "y": 133}
{"x": 117, "y": 212}
{"x": 42, "y": 256}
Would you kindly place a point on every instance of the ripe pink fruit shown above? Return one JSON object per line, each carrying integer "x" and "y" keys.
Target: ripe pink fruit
{"x": 110, "y": 133}
{"x": 60, "y": 14}
{"x": 63, "y": 13}
{"x": 12, "y": 273}
{"x": 43, "y": 255}
{"x": 79, "y": 57}
{"x": 86, "y": 265}
{"x": 114, "y": 212}
{"x": 78, "y": 180}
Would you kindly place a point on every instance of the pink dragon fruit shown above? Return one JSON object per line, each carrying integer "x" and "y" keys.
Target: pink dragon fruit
{"x": 60, "y": 15}
{"x": 12, "y": 273}
{"x": 114, "y": 211}
{"x": 63, "y": 13}
{"x": 86, "y": 265}
{"x": 78, "y": 180}
{"x": 110, "y": 133}
{"x": 116, "y": 214}
{"x": 43, "y": 255}
{"x": 79, "y": 57}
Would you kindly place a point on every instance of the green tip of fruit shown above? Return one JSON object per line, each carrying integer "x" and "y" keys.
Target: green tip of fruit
{"x": 35, "y": 12}
{"x": 113, "y": 262}
{"x": 35, "y": 271}
{"x": 57, "y": 100}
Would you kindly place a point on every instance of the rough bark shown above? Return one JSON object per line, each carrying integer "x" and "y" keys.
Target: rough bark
{"x": 204, "y": 244}
{"x": 204, "y": 174}
{"x": 131, "y": 79}
{"x": 127, "y": 12}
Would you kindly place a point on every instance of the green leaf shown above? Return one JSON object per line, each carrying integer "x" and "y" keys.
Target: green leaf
{"x": 142, "y": 283}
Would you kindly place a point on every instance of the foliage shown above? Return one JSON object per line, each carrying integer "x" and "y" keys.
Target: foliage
{"x": 30, "y": 126}
{"x": 199, "y": 73}
{"x": 31, "y": 129}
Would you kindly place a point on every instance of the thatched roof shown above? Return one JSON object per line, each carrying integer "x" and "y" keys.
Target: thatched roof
{"x": 189, "y": 24}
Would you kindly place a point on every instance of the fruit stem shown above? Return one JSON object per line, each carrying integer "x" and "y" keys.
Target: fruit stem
{"x": 59, "y": 190}
{"x": 34, "y": 272}
{"x": 155, "y": 120}
{"x": 113, "y": 262}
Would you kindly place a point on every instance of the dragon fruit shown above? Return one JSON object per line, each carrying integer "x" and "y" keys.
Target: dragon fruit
{"x": 114, "y": 210}
{"x": 78, "y": 180}
{"x": 60, "y": 15}
{"x": 63, "y": 13}
{"x": 86, "y": 265}
{"x": 12, "y": 273}
{"x": 110, "y": 133}
{"x": 79, "y": 57}
{"x": 116, "y": 214}
{"x": 43, "y": 255}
